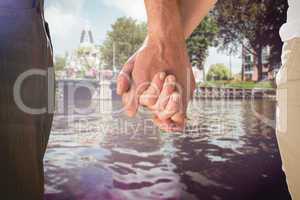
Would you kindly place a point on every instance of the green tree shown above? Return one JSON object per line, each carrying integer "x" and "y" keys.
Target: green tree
{"x": 125, "y": 38}
{"x": 201, "y": 39}
{"x": 255, "y": 21}
{"x": 60, "y": 63}
{"x": 218, "y": 72}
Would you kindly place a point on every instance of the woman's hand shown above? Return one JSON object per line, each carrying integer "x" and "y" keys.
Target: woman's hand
{"x": 145, "y": 80}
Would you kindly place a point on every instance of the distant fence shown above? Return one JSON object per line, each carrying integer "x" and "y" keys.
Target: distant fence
{"x": 233, "y": 93}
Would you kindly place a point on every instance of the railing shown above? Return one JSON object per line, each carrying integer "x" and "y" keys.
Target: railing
{"x": 233, "y": 93}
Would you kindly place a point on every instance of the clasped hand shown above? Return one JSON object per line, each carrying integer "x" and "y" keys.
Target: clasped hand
{"x": 158, "y": 76}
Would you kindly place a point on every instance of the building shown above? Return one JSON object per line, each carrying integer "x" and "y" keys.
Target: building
{"x": 84, "y": 61}
{"x": 250, "y": 69}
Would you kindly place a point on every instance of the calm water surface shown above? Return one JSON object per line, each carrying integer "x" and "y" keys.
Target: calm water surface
{"x": 229, "y": 152}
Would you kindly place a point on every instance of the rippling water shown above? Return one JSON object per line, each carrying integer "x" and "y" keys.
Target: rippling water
{"x": 229, "y": 152}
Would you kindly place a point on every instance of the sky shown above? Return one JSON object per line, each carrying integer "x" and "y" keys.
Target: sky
{"x": 67, "y": 18}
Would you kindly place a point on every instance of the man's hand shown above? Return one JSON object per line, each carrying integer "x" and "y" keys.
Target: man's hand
{"x": 134, "y": 83}
{"x": 164, "y": 51}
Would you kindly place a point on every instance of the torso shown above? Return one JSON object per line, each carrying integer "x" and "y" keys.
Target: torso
{"x": 294, "y": 11}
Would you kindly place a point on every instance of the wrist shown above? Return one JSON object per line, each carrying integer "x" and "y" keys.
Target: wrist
{"x": 171, "y": 35}
{"x": 169, "y": 52}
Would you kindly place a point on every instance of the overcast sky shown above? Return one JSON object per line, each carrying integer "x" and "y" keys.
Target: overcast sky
{"x": 68, "y": 17}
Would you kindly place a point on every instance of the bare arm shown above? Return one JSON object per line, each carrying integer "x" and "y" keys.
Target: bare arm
{"x": 165, "y": 51}
{"x": 193, "y": 12}
{"x": 170, "y": 22}
{"x": 164, "y": 20}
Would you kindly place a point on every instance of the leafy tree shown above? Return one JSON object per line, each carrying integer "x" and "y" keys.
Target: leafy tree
{"x": 83, "y": 53}
{"x": 274, "y": 18}
{"x": 218, "y": 72}
{"x": 254, "y": 21}
{"x": 201, "y": 39}
{"x": 60, "y": 63}
{"x": 125, "y": 38}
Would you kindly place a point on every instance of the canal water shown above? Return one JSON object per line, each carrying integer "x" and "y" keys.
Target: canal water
{"x": 229, "y": 152}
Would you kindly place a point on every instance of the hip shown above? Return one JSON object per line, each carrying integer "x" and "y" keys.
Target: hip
{"x": 25, "y": 58}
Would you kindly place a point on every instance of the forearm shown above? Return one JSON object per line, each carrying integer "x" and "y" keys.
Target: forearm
{"x": 193, "y": 12}
{"x": 164, "y": 20}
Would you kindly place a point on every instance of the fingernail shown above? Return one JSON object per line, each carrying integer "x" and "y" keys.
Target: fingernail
{"x": 162, "y": 75}
{"x": 171, "y": 78}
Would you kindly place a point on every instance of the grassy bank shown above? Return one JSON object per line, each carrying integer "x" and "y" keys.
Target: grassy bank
{"x": 239, "y": 84}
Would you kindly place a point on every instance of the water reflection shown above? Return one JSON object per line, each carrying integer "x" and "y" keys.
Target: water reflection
{"x": 227, "y": 153}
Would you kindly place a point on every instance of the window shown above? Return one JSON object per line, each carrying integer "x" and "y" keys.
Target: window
{"x": 265, "y": 76}
{"x": 248, "y": 77}
{"x": 248, "y": 59}
{"x": 266, "y": 55}
{"x": 248, "y": 68}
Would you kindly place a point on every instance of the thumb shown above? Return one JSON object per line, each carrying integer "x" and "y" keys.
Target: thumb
{"x": 124, "y": 77}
